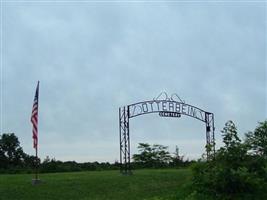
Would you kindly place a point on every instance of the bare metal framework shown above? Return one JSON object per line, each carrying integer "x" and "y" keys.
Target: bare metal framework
{"x": 125, "y": 159}
{"x": 165, "y": 107}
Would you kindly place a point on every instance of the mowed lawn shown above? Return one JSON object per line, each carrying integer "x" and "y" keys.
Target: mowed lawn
{"x": 98, "y": 185}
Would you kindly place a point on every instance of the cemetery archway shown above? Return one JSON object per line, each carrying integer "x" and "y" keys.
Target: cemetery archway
{"x": 166, "y": 107}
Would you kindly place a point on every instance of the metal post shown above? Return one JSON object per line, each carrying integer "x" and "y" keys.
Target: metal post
{"x": 36, "y": 163}
{"x": 120, "y": 140}
{"x": 36, "y": 179}
{"x": 124, "y": 140}
{"x": 207, "y": 135}
{"x": 213, "y": 136}
{"x": 210, "y": 137}
{"x": 128, "y": 139}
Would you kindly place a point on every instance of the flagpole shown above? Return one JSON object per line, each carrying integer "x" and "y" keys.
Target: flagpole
{"x": 36, "y": 149}
{"x": 36, "y": 165}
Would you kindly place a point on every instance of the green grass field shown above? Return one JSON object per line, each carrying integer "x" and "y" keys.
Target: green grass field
{"x": 143, "y": 184}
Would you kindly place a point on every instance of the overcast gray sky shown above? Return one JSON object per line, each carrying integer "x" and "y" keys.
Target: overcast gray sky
{"x": 92, "y": 58}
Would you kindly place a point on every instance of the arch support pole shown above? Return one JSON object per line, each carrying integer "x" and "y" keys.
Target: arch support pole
{"x": 210, "y": 137}
{"x": 125, "y": 157}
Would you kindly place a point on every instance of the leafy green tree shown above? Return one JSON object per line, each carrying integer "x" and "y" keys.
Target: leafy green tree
{"x": 230, "y": 137}
{"x": 145, "y": 156}
{"x": 233, "y": 174}
{"x": 234, "y": 152}
{"x": 161, "y": 155}
{"x": 10, "y": 151}
{"x": 152, "y": 156}
{"x": 257, "y": 140}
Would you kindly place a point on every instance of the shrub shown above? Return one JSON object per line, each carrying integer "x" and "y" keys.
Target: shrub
{"x": 233, "y": 174}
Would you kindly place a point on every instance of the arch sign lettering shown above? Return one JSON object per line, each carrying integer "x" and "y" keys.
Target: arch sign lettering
{"x": 165, "y": 107}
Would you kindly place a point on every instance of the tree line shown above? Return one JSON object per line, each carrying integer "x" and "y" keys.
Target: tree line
{"x": 14, "y": 160}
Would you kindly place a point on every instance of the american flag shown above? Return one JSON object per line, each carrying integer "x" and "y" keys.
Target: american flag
{"x": 34, "y": 118}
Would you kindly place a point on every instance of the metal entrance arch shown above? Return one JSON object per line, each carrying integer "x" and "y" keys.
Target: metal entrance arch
{"x": 166, "y": 107}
